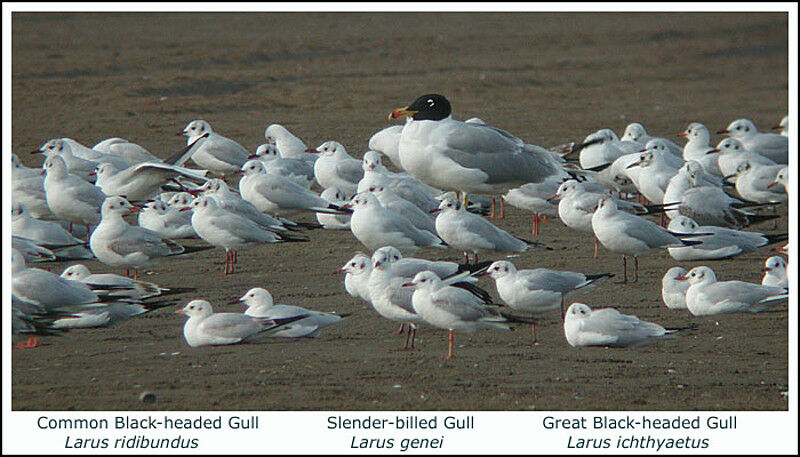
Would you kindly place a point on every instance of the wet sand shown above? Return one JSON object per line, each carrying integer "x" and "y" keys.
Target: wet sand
{"x": 548, "y": 78}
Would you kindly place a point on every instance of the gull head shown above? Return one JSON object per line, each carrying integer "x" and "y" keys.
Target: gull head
{"x": 683, "y": 224}
{"x": 698, "y": 275}
{"x": 203, "y": 203}
{"x": 430, "y": 107}
{"x": 213, "y": 186}
{"x": 266, "y": 151}
{"x": 634, "y": 132}
{"x": 116, "y": 206}
{"x": 385, "y": 256}
{"x": 371, "y": 161}
{"x": 730, "y": 145}
{"x": 696, "y": 131}
{"x": 77, "y": 272}
{"x": 196, "y": 128}
{"x": 180, "y": 200}
{"x": 157, "y": 206}
{"x": 196, "y": 308}
{"x": 448, "y": 203}
{"x": 424, "y": 280}
{"x": 105, "y": 170}
{"x": 257, "y": 296}
{"x": 18, "y": 211}
{"x": 577, "y": 311}
{"x": 359, "y": 264}
{"x": 501, "y": 269}
{"x": 775, "y": 264}
{"x": 54, "y": 166}
{"x": 673, "y": 274}
{"x": 333, "y": 195}
{"x": 253, "y": 167}
{"x": 740, "y": 128}
{"x": 331, "y": 149}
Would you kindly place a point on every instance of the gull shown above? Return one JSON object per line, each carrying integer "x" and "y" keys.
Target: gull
{"x": 45, "y": 233}
{"x": 630, "y": 235}
{"x": 673, "y": 290}
{"x": 207, "y": 328}
{"x": 753, "y": 183}
{"x": 707, "y": 204}
{"x": 233, "y": 202}
{"x": 227, "y": 230}
{"x": 69, "y": 197}
{"x": 636, "y": 133}
{"x": 707, "y": 296}
{"x": 539, "y": 290}
{"x": 601, "y": 148}
{"x": 467, "y": 157}
{"x": 375, "y": 226}
{"x": 131, "y": 152}
{"x": 387, "y": 142}
{"x": 336, "y": 168}
{"x": 395, "y": 203}
{"x": 469, "y": 232}
{"x": 142, "y": 181}
{"x": 781, "y": 179}
{"x": 770, "y": 145}
{"x": 75, "y": 165}
{"x": 168, "y": 221}
{"x": 699, "y": 148}
{"x": 46, "y": 290}
{"x": 27, "y": 188}
{"x": 410, "y": 266}
{"x": 288, "y": 145}
{"x": 298, "y": 170}
{"x": 210, "y": 150}
{"x": 619, "y": 176}
{"x": 260, "y": 304}
{"x": 717, "y": 242}
{"x": 783, "y": 126}
{"x": 117, "y": 286}
{"x": 118, "y": 244}
{"x": 451, "y": 308}
{"x": 407, "y": 187}
{"x": 272, "y": 194}
{"x": 337, "y": 197}
{"x": 732, "y": 153}
{"x": 584, "y": 326}
{"x": 655, "y": 174}
{"x": 357, "y": 272}
{"x": 775, "y": 272}
{"x": 105, "y": 314}
{"x": 31, "y": 251}
{"x": 535, "y": 197}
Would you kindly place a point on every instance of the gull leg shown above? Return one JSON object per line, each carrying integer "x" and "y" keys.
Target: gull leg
{"x": 450, "y": 343}
{"x": 413, "y": 334}
{"x": 533, "y": 331}
{"x": 635, "y": 269}
{"x": 535, "y": 224}
{"x": 135, "y": 274}
{"x": 400, "y": 330}
{"x": 624, "y": 271}
{"x": 596, "y": 247}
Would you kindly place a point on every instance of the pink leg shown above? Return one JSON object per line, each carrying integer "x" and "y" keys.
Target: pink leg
{"x": 400, "y": 330}
{"x": 535, "y": 224}
{"x": 450, "y": 343}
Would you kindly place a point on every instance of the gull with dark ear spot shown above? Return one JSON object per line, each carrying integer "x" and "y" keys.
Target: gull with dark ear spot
{"x": 27, "y": 188}
{"x": 753, "y": 183}
{"x": 261, "y": 305}
{"x": 707, "y": 296}
{"x": 775, "y": 272}
{"x": 732, "y": 153}
{"x": 210, "y": 150}
{"x": 770, "y": 145}
{"x": 336, "y": 168}
{"x": 288, "y": 144}
{"x": 69, "y": 197}
{"x": 584, "y": 326}
{"x": 467, "y": 157}
{"x": 471, "y": 233}
{"x": 699, "y": 148}
{"x": 298, "y": 170}
{"x": 717, "y": 242}
{"x": 636, "y": 132}
{"x": 673, "y": 290}
{"x": 357, "y": 272}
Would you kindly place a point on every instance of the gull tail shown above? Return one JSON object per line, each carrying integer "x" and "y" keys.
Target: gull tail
{"x": 591, "y": 279}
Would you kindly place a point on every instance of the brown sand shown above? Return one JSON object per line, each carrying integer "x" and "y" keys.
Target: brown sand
{"x": 549, "y": 78}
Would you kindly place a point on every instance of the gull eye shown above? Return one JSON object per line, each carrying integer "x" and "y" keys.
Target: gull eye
{"x": 431, "y": 102}
{"x": 422, "y": 280}
{"x": 396, "y": 258}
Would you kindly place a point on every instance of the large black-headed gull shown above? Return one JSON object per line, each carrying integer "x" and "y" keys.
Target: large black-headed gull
{"x": 375, "y": 226}
{"x": 207, "y": 328}
{"x": 770, "y": 145}
{"x": 142, "y": 181}
{"x": 69, "y": 197}
{"x": 230, "y": 231}
{"x": 469, "y": 232}
{"x": 210, "y": 150}
{"x": 630, "y": 235}
{"x": 468, "y": 157}
{"x": 336, "y": 168}
{"x": 775, "y": 272}
{"x": 118, "y": 244}
{"x": 539, "y": 290}
{"x": 717, "y": 242}
{"x": 707, "y": 296}
{"x": 451, "y": 308}
{"x": 584, "y": 326}
{"x": 673, "y": 290}
{"x": 275, "y": 194}
{"x": 260, "y": 304}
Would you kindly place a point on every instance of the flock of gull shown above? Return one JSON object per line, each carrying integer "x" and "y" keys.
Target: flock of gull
{"x": 695, "y": 201}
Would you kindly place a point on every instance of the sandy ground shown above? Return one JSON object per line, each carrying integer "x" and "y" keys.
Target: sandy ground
{"x": 549, "y": 78}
